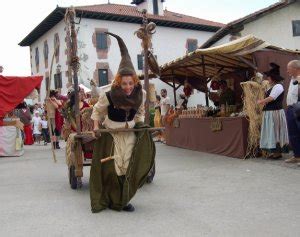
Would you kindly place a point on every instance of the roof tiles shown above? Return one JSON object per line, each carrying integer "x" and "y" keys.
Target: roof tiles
{"x": 126, "y": 10}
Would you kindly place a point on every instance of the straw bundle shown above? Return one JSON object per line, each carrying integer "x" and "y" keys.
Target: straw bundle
{"x": 253, "y": 92}
{"x": 87, "y": 122}
{"x": 70, "y": 150}
{"x": 93, "y": 101}
{"x": 152, "y": 93}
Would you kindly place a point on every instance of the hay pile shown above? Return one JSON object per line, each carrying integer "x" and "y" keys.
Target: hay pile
{"x": 253, "y": 91}
{"x": 70, "y": 148}
{"x": 87, "y": 122}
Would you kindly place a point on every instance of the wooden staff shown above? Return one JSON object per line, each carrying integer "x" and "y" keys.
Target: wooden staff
{"x": 146, "y": 69}
{"x": 70, "y": 16}
{"x": 98, "y": 132}
{"x": 124, "y": 130}
{"x": 47, "y": 104}
{"x": 106, "y": 159}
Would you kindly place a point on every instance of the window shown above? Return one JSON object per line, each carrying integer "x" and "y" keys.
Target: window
{"x": 155, "y": 7}
{"x": 103, "y": 77}
{"x": 140, "y": 61}
{"x": 37, "y": 57}
{"x": 47, "y": 83}
{"x": 57, "y": 81}
{"x": 56, "y": 44}
{"x": 296, "y": 28}
{"x": 101, "y": 39}
{"x": 192, "y": 45}
{"x": 46, "y": 50}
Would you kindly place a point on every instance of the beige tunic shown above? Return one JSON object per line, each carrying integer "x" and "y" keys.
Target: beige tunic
{"x": 123, "y": 142}
{"x": 50, "y": 110}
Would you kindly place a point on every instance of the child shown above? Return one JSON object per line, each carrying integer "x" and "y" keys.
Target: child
{"x": 44, "y": 125}
{"x": 36, "y": 127}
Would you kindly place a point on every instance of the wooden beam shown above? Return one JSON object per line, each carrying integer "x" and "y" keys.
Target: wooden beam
{"x": 250, "y": 64}
{"x": 168, "y": 83}
{"x": 166, "y": 75}
{"x": 178, "y": 87}
{"x": 174, "y": 91}
{"x": 225, "y": 61}
{"x": 187, "y": 66}
{"x": 194, "y": 74}
{"x": 204, "y": 74}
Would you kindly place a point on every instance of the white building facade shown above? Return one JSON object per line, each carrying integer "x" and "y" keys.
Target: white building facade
{"x": 278, "y": 27}
{"x": 100, "y": 55}
{"x": 278, "y": 24}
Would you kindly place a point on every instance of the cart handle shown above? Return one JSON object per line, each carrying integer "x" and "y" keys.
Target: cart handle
{"x": 108, "y": 130}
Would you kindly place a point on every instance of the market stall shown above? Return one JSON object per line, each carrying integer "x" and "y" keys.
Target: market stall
{"x": 223, "y": 125}
{"x": 10, "y": 141}
{"x": 13, "y": 90}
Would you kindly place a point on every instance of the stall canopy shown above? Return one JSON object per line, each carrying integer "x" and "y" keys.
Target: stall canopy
{"x": 202, "y": 65}
{"x": 86, "y": 89}
{"x": 13, "y": 90}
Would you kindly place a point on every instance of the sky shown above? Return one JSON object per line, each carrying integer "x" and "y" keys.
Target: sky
{"x": 19, "y": 18}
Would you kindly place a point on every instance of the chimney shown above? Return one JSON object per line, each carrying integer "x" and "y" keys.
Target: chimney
{"x": 154, "y": 7}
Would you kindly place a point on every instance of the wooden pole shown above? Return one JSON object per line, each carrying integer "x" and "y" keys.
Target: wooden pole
{"x": 204, "y": 75}
{"x": 75, "y": 64}
{"x": 174, "y": 91}
{"x": 50, "y": 129}
{"x": 117, "y": 130}
{"x": 75, "y": 67}
{"x": 248, "y": 63}
{"x": 146, "y": 72}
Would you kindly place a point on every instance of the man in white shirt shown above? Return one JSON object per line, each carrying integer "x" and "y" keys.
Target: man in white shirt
{"x": 293, "y": 97}
{"x": 164, "y": 107}
{"x": 164, "y": 103}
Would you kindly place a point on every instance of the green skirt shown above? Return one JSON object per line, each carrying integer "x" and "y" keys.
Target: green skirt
{"x": 107, "y": 189}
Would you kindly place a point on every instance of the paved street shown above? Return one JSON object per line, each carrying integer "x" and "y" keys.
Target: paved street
{"x": 193, "y": 194}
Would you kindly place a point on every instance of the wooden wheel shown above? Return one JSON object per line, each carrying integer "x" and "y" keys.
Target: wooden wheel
{"x": 72, "y": 177}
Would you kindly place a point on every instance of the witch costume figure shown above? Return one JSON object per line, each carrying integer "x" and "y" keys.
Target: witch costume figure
{"x": 129, "y": 155}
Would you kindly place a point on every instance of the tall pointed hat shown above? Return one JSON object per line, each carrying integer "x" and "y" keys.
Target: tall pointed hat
{"x": 126, "y": 67}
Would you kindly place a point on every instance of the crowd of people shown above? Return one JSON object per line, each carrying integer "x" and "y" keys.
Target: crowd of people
{"x": 38, "y": 117}
{"x": 34, "y": 121}
{"x": 165, "y": 112}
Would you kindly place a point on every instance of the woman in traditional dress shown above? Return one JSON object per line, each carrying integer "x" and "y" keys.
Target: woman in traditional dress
{"x": 129, "y": 155}
{"x": 22, "y": 111}
{"x": 274, "y": 135}
{"x": 157, "y": 116}
{"x": 71, "y": 110}
{"x": 70, "y": 121}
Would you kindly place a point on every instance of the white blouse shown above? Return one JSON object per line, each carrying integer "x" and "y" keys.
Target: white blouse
{"x": 293, "y": 93}
{"x": 276, "y": 91}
